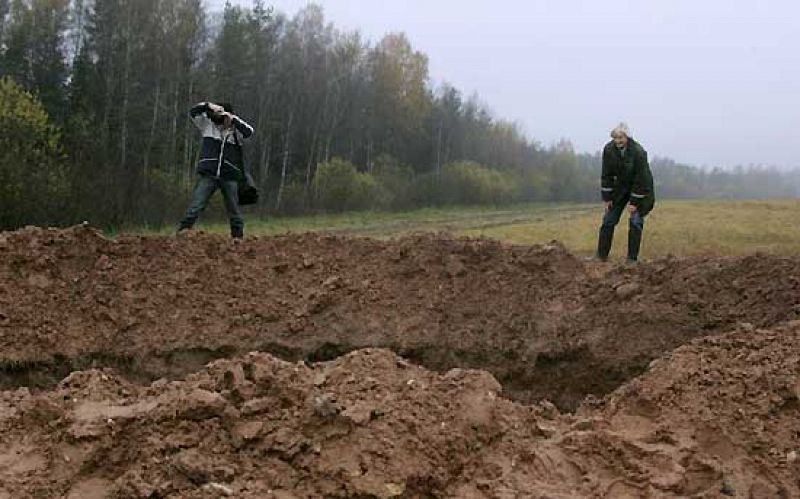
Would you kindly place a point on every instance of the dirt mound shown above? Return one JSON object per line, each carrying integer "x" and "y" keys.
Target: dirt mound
{"x": 735, "y": 397}
{"x": 102, "y": 330}
{"x": 547, "y": 325}
{"x": 716, "y": 418}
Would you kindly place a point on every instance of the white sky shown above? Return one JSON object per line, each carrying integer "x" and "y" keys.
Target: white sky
{"x": 708, "y": 82}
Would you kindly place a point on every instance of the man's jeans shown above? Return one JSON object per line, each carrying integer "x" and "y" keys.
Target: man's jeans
{"x": 205, "y": 188}
{"x": 610, "y": 220}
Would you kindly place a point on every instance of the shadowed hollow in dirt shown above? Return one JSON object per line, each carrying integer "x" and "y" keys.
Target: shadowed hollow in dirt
{"x": 544, "y": 323}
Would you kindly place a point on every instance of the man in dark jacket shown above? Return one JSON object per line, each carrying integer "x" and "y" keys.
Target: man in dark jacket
{"x": 221, "y": 163}
{"x": 626, "y": 178}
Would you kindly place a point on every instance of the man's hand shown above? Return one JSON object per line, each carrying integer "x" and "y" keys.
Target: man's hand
{"x": 609, "y": 204}
{"x": 632, "y": 209}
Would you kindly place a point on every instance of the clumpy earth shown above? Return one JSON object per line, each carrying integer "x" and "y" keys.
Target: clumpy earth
{"x": 426, "y": 366}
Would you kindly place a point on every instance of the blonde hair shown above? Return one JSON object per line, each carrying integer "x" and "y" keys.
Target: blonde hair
{"x": 622, "y": 128}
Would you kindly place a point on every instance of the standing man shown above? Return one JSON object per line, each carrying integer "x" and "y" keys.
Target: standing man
{"x": 221, "y": 163}
{"x": 626, "y": 178}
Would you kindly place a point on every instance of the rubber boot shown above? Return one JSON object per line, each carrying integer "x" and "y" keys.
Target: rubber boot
{"x": 635, "y": 238}
{"x": 604, "y": 242}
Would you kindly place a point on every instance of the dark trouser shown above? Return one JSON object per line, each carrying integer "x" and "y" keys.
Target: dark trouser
{"x": 205, "y": 188}
{"x": 610, "y": 220}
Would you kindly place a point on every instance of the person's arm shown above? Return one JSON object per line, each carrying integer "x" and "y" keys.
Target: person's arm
{"x": 199, "y": 113}
{"x": 607, "y": 178}
{"x": 241, "y": 126}
{"x": 640, "y": 188}
{"x": 198, "y": 109}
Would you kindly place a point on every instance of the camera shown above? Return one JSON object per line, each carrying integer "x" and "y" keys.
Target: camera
{"x": 217, "y": 118}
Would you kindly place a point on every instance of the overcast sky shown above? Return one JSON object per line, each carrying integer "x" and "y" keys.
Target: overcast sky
{"x": 708, "y": 82}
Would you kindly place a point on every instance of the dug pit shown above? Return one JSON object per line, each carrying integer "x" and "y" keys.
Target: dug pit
{"x": 546, "y": 324}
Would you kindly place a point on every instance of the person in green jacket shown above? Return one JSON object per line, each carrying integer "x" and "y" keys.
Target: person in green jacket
{"x": 626, "y": 181}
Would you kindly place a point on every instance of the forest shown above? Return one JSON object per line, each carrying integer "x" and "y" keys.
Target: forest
{"x": 94, "y": 96}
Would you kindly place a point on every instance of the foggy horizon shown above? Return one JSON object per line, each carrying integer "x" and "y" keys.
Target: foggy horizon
{"x": 711, "y": 84}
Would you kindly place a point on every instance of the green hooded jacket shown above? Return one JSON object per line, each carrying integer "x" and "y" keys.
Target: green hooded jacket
{"x": 627, "y": 176}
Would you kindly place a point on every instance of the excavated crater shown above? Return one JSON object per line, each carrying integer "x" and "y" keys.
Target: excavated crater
{"x": 547, "y": 325}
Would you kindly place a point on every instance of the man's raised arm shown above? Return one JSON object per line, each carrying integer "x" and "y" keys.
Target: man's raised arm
{"x": 242, "y": 126}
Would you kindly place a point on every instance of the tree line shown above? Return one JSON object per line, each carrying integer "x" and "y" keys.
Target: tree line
{"x": 93, "y": 124}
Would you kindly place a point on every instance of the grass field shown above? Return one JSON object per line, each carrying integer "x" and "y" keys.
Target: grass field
{"x": 674, "y": 227}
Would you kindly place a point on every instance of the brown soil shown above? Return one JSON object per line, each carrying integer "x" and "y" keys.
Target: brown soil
{"x": 718, "y": 416}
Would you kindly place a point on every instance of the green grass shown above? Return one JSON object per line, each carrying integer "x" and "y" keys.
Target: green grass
{"x": 388, "y": 224}
{"x": 674, "y": 227}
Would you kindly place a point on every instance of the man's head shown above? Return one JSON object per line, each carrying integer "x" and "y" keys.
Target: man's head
{"x": 621, "y": 133}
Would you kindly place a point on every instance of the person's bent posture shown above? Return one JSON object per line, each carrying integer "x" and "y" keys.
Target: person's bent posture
{"x": 221, "y": 165}
{"x": 626, "y": 178}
